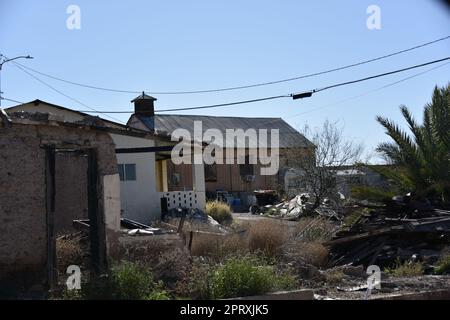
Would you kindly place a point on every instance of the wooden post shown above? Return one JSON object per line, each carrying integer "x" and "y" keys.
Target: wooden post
{"x": 191, "y": 236}
{"x": 52, "y": 274}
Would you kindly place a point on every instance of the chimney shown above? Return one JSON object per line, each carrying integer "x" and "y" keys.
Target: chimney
{"x": 144, "y": 105}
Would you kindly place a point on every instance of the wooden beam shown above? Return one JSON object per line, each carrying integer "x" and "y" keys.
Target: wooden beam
{"x": 144, "y": 149}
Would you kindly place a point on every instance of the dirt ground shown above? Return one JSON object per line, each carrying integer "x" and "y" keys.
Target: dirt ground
{"x": 389, "y": 287}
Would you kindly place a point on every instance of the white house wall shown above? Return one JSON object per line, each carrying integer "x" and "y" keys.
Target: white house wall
{"x": 140, "y": 200}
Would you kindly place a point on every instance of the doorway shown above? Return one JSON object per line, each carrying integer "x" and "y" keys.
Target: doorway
{"x": 72, "y": 195}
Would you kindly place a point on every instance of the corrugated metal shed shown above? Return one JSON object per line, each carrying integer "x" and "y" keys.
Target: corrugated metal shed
{"x": 288, "y": 136}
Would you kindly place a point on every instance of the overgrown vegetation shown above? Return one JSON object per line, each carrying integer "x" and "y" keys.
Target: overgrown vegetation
{"x": 218, "y": 248}
{"x": 443, "y": 265}
{"x": 405, "y": 269}
{"x": 332, "y": 150}
{"x": 424, "y": 153}
{"x": 125, "y": 281}
{"x": 266, "y": 236}
{"x": 236, "y": 277}
{"x": 334, "y": 277}
{"x": 312, "y": 253}
{"x": 255, "y": 258}
{"x": 270, "y": 239}
{"x": 219, "y": 211}
{"x": 373, "y": 194}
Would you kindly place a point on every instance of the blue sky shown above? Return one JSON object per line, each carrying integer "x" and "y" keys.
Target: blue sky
{"x": 195, "y": 45}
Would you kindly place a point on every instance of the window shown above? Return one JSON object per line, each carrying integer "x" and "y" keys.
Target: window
{"x": 210, "y": 172}
{"x": 127, "y": 172}
{"x": 121, "y": 172}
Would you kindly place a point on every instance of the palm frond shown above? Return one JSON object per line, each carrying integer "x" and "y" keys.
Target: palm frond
{"x": 425, "y": 154}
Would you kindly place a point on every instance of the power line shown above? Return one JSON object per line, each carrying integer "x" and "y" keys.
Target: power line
{"x": 337, "y": 102}
{"x": 62, "y": 93}
{"x": 361, "y": 95}
{"x": 243, "y": 86}
{"x": 206, "y": 106}
{"x": 228, "y": 104}
{"x": 11, "y": 100}
{"x": 380, "y": 75}
{"x": 368, "y": 92}
{"x": 306, "y": 93}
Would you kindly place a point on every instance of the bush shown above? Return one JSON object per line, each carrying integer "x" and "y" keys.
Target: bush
{"x": 334, "y": 276}
{"x": 219, "y": 211}
{"x": 443, "y": 265}
{"x": 312, "y": 253}
{"x": 218, "y": 248}
{"x": 126, "y": 281}
{"x": 131, "y": 282}
{"x": 405, "y": 269}
{"x": 267, "y": 236}
{"x": 172, "y": 267}
{"x": 238, "y": 277}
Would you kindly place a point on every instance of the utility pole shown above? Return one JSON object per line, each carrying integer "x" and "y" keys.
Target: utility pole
{"x": 4, "y": 60}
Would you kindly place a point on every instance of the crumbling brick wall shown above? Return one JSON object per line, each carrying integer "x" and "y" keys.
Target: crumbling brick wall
{"x": 23, "y": 202}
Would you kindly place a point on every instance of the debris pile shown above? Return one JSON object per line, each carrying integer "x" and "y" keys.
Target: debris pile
{"x": 401, "y": 230}
{"x": 195, "y": 219}
{"x": 300, "y": 206}
{"x": 134, "y": 228}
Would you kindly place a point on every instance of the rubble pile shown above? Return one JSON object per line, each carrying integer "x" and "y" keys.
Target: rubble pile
{"x": 134, "y": 228}
{"x": 397, "y": 231}
{"x": 301, "y": 206}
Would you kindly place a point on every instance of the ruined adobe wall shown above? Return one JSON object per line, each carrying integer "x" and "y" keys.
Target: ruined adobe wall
{"x": 23, "y": 227}
{"x": 23, "y": 233}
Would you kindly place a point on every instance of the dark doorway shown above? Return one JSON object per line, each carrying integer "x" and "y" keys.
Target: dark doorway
{"x": 72, "y": 194}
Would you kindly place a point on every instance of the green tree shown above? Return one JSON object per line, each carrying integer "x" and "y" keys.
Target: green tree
{"x": 424, "y": 153}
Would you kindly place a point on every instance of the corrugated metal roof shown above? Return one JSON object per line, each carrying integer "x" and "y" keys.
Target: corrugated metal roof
{"x": 288, "y": 136}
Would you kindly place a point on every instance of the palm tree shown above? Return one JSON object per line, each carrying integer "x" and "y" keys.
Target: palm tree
{"x": 425, "y": 153}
